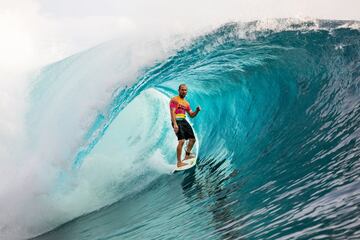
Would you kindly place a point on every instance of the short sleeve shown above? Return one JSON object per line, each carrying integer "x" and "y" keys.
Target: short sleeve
{"x": 173, "y": 103}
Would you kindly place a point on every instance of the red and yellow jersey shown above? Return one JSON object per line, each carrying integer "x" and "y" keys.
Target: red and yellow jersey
{"x": 181, "y": 106}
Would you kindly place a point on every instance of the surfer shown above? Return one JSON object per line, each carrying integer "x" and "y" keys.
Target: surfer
{"x": 178, "y": 108}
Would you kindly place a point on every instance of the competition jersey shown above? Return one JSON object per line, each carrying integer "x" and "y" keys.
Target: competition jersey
{"x": 181, "y": 106}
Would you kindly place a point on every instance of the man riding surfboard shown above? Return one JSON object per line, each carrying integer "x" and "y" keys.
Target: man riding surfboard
{"x": 178, "y": 109}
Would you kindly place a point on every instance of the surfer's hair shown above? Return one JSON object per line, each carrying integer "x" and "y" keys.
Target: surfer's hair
{"x": 182, "y": 85}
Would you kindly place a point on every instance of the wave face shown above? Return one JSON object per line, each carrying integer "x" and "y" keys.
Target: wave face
{"x": 278, "y": 138}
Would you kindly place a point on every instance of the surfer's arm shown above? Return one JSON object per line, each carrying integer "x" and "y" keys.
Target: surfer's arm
{"x": 193, "y": 114}
{"x": 173, "y": 116}
{"x": 173, "y": 119}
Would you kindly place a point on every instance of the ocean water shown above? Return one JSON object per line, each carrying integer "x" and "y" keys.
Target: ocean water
{"x": 278, "y": 137}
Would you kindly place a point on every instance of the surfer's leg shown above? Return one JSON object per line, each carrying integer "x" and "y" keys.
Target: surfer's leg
{"x": 189, "y": 134}
{"x": 189, "y": 148}
{"x": 178, "y": 151}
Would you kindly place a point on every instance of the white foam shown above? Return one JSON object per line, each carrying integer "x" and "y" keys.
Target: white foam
{"x": 351, "y": 24}
{"x": 75, "y": 91}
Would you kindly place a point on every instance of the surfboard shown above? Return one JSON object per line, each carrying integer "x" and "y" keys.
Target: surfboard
{"x": 191, "y": 162}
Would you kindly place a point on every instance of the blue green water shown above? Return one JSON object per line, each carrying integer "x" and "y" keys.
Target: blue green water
{"x": 278, "y": 138}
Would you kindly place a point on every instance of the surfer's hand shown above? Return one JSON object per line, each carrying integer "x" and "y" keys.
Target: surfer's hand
{"x": 176, "y": 128}
{"x": 198, "y": 109}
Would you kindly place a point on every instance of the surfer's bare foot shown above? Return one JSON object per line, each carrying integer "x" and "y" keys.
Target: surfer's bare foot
{"x": 181, "y": 164}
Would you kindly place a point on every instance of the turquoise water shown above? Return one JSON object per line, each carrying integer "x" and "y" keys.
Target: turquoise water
{"x": 278, "y": 138}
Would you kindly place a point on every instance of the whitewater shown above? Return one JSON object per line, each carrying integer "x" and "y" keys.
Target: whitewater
{"x": 278, "y": 138}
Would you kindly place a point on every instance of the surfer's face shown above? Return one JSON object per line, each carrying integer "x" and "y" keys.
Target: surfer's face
{"x": 182, "y": 91}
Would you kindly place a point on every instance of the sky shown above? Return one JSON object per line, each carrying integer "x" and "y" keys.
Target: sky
{"x": 36, "y": 32}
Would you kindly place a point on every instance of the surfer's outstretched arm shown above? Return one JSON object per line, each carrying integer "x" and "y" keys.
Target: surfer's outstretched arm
{"x": 193, "y": 114}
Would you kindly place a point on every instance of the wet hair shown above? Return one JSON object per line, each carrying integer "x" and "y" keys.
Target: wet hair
{"x": 182, "y": 85}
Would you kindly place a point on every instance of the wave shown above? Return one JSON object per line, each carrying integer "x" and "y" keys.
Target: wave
{"x": 278, "y": 134}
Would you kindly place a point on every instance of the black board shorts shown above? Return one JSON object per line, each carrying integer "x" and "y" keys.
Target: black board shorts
{"x": 185, "y": 130}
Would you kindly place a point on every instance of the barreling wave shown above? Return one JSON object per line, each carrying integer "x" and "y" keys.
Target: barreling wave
{"x": 278, "y": 135}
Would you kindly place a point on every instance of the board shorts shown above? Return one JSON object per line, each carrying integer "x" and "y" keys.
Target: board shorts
{"x": 185, "y": 130}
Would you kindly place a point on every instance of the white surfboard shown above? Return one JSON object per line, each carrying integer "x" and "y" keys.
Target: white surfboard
{"x": 191, "y": 162}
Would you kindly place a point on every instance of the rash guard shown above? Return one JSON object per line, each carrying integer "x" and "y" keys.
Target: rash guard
{"x": 181, "y": 106}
